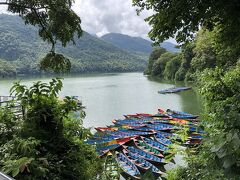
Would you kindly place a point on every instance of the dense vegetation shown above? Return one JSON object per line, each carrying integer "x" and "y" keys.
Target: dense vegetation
{"x": 211, "y": 59}
{"x": 47, "y": 143}
{"x": 163, "y": 64}
{"x": 23, "y": 49}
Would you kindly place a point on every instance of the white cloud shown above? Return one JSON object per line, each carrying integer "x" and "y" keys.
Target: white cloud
{"x": 105, "y": 16}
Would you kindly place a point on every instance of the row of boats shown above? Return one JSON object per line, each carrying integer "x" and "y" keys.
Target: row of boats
{"x": 173, "y": 90}
{"x": 140, "y": 142}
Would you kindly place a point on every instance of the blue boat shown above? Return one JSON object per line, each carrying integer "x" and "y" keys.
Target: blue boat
{"x": 163, "y": 140}
{"x": 132, "y": 122}
{"x": 155, "y": 144}
{"x": 146, "y": 129}
{"x": 127, "y": 166}
{"x": 180, "y": 114}
{"x": 165, "y": 134}
{"x": 196, "y": 129}
{"x": 142, "y": 164}
{"x": 146, "y": 156}
{"x": 101, "y": 150}
{"x": 162, "y": 127}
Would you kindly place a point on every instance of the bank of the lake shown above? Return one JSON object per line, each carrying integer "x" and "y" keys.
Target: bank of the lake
{"x": 109, "y": 96}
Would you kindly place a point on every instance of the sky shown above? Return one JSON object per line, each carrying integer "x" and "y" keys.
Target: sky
{"x": 110, "y": 16}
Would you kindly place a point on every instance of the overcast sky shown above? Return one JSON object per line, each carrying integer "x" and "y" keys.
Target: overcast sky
{"x": 104, "y": 16}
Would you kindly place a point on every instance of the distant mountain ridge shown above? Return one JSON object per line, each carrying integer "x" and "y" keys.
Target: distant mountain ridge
{"x": 135, "y": 44}
{"x": 21, "y": 46}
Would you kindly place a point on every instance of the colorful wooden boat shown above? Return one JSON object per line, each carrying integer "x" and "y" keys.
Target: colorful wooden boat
{"x": 142, "y": 164}
{"x": 166, "y": 134}
{"x": 130, "y": 133}
{"x": 131, "y": 116}
{"x": 144, "y": 155}
{"x": 162, "y": 127}
{"x": 157, "y": 145}
{"x": 102, "y": 150}
{"x": 144, "y": 115}
{"x": 127, "y": 166}
{"x": 146, "y": 129}
{"x": 140, "y": 144}
{"x": 195, "y": 136}
{"x": 180, "y": 114}
{"x": 111, "y": 169}
{"x": 163, "y": 140}
{"x": 193, "y": 142}
{"x": 103, "y": 129}
{"x": 132, "y": 122}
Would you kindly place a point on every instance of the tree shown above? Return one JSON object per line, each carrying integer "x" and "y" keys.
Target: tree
{"x": 172, "y": 67}
{"x": 155, "y": 54}
{"x": 187, "y": 55}
{"x": 159, "y": 65}
{"x": 56, "y": 21}
{"x": 184, "y": 18}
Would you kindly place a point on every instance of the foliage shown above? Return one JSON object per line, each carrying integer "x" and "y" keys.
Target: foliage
{"x": 172, "y": 67}
{"x": 56, "y": 62}
{"x": 48, "y": 143}
{"x": 159, "y": 66}
{"x": 187, "y": 55}
{"x": 184, "y": 18}
{"x": 156, "y": 53}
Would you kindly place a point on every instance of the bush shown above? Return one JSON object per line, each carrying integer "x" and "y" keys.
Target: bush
{"x": 48, "y": 144}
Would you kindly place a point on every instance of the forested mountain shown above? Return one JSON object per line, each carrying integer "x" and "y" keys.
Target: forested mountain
{"x": 21, "y": 47}
{"x": 135, "y": 44}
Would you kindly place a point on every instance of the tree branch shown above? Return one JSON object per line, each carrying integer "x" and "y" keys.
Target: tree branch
{"x": 26, "y": 7}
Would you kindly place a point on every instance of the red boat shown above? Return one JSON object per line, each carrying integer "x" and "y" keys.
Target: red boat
{"x": 103, "y": 129}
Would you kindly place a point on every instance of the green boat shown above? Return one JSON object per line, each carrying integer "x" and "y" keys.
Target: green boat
{"x": 140, "y": 144}
{"x": 111, "y": 167}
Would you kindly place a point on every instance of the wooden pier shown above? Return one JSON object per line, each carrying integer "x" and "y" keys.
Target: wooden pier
{"x": 11, "y": 103}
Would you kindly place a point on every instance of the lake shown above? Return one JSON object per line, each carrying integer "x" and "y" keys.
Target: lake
{"x": 110, "y": 96}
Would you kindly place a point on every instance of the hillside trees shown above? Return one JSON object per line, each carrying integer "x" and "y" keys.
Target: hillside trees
{"x": 6, "y": 69}
{"x": 56, "y": 22}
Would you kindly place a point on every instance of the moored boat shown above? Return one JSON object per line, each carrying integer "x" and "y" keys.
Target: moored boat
{"x": 157, "y": 145}
{"x": 142, "y": 164}
{"x": 102, "y": 150}
{"x": 144, "y": 155}
{"x": 140, "y": 144}
{"x": 162, "y": 127}
{"x": 127, "y": 166}
{"x": 180, "y": 114}
{"x": 162, "y": 140}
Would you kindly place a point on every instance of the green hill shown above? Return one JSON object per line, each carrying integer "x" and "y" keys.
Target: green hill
{"x": 135, "y": 44}
{"x": 22, "y": 48}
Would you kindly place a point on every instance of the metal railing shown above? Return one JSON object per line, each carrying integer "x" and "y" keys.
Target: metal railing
{"x": 5, "y": 177}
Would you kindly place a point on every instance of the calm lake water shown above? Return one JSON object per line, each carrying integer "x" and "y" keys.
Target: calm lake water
{"x": 109, "y": 96}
